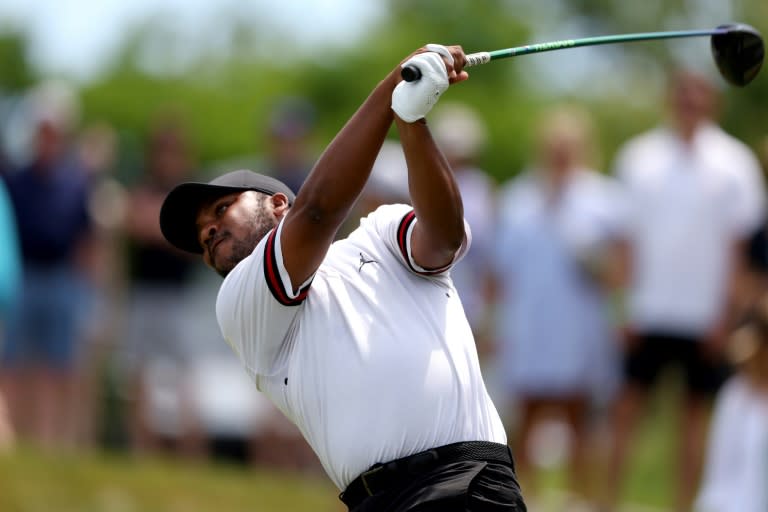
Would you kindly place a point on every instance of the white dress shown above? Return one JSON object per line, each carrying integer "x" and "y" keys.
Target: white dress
{"x": 553, "y": 322}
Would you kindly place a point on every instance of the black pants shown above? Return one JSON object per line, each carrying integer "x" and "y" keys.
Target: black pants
{"x": 464, "y": 486}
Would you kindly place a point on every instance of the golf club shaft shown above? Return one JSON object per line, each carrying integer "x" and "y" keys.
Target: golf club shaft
{"x": 410, "y": 73}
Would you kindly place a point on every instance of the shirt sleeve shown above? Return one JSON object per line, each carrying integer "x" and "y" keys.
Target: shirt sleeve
{"x": 750, "y": 189}
{"x": 256, "y": 307}
{"x": 394, "y": 224}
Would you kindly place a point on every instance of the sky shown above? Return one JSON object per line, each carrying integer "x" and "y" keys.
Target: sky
{"x": 78, "y": 37}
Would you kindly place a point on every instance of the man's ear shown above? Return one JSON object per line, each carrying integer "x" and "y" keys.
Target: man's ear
{"x": 280, "y": 204}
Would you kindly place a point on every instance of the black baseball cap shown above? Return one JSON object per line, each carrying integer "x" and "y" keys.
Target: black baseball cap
{"x": 179, "y": 210}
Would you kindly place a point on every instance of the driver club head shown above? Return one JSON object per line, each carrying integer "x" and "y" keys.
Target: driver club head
{"x": 738, "y": 53}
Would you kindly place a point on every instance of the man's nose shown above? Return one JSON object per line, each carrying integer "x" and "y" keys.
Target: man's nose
{"x": 207, "y": 233}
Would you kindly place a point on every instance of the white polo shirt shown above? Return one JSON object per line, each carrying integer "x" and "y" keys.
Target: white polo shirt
{"x": 736, "y": 466}
{"x": 686, "y": 205}
{"x": 373, "y": 359}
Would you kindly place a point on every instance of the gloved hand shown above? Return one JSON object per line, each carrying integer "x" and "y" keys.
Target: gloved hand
{"x": 413, "y": 100}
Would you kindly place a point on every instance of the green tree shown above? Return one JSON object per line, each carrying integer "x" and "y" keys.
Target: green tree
{"x": 226, "y": 95}
{"x": 15, "y": 71}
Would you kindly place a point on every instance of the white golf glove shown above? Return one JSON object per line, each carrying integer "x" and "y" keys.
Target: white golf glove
{"x": 413, "y": 100}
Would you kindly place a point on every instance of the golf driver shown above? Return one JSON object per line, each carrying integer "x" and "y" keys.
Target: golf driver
{"x": 737, "y": 49}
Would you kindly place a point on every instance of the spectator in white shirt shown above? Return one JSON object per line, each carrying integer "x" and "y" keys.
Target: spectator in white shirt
{"x": 736, "y": 466}
{"x": 694, "y": 194}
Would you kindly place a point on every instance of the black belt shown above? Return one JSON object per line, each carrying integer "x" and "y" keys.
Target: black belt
{"x": 382, "y": 477}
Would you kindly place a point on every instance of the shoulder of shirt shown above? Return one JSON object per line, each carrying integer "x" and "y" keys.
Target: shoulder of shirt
{"x": 637, "y": 149}
{"x": 594, "y": 180}
{"x": 647, "y": 140}
{"x": 517, "y": 193}
{"x": 474, "y": 176}
{"x": 591, "y": 175}
{"x": 714, "y": 134}
{"x": 524, "y": 181}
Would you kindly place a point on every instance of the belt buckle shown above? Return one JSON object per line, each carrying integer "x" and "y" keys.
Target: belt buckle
{"x": 364, "y": 476}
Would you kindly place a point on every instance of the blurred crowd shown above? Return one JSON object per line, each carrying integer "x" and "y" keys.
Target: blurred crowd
{"x": 593, "y": 284}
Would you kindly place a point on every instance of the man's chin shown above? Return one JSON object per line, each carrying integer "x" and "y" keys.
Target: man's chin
{"x": 226, "y": 258}
{"x": 221, "y": 267}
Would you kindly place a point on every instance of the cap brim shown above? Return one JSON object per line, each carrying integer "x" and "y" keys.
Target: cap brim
{"x": 179, "y": 212}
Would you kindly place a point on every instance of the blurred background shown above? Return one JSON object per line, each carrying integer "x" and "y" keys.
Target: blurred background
{"x": 130, "y": 400}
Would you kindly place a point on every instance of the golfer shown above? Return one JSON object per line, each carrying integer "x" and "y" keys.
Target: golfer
{"x": 363, "y": 342}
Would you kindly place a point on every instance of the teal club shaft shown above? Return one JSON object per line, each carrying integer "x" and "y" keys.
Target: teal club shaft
{"x": 475, "y": 59}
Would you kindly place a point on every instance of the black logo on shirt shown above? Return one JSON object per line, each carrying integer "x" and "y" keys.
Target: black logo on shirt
{"x": 363, "y": 261}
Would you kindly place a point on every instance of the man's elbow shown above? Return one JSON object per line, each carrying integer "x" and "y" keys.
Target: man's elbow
{"x": 457, "y": 240}
{"x": 450, "y": 241}
{"x": 458, "y": 232}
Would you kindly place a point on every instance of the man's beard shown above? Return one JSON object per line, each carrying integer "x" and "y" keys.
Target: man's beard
{"x": 260, "y": 223}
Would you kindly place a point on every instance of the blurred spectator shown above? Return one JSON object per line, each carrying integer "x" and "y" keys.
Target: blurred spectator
{"x": 10, "y": 278}
{"x": 693, "y": 195}
{"x": 462, "y": 135}
{"x": 157, "y": 351}
{"x": 175, "y": 370}
{"x": 289, "y": 154}
{"x": 755, "y": 285}
{"x": 241, "y": 425}
{"x": 97, "y": 147}
{"x": 50, "y": 197}
{"x": 736, "y": 462}
{"x": 388, "y": 183}
{"x": 558, "y": 222}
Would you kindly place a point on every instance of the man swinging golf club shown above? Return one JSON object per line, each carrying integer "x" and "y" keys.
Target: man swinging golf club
{"x": 363, "y": 343}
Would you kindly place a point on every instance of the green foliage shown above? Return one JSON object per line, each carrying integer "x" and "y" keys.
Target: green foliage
{"x": 226, "y": 96}
{"x": 15, "y": 73}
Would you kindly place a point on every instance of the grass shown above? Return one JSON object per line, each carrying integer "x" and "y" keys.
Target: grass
{"x": 650, "y": 480}
{"x": 33, "y": 481}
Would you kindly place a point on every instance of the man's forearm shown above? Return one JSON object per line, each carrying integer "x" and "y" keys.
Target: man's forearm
{"x": 335, "y": 182}
{"x": 340, "y": 173}
{"x": 435, "y": 195}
